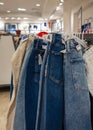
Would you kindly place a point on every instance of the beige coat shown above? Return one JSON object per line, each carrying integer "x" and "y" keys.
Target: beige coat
{"x": 17, "y": 60}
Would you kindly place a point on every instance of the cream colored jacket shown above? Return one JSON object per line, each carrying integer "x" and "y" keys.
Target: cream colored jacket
{"x": 88, "y": 57}
{"x": 17, "y": 60}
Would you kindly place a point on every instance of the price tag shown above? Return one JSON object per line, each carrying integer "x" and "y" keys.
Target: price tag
{"x": 78, "y": 47}
{"x": 39, "y": 59}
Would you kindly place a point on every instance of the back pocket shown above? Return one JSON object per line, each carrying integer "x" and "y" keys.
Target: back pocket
{"x": 78, "y": 73}
{"x": 56, "y": 67}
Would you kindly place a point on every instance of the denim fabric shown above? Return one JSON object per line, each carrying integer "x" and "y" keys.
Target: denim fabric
{"x": 50, "y": 115}
{"x": 91, "y": 100}
{"x": 76, "y": 94}
{"x": 32, "y": 85}
{"x": 11, "y": 86}
{"x": 26, "y": 106}
{"x": 19, "y": 119}
{"x": 41, "y": 96}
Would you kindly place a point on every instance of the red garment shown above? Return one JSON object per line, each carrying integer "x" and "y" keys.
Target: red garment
{"x": 40, "y": 34}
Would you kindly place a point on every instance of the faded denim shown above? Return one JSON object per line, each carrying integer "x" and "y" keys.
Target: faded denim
{"x": 51, "y": 96}
{"x": 76, "y": 93}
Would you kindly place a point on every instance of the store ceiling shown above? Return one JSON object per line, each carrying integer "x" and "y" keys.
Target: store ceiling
{"x": 33, "y": 12}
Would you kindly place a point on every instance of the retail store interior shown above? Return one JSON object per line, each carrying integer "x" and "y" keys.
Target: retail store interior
{"x": 46, "y": 64}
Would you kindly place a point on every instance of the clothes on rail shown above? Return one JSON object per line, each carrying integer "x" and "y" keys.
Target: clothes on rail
{"x": 17, "y": 61}
{"x": 27, "y": 98}
{"x": 50, "y": 90}
{"x": 64, "y": 97}
{"x": 76, "y": 93}
{"x": 50, "y": 112}
{"x": 88, "y": 57}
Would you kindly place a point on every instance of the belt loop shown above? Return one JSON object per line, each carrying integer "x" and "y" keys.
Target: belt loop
{"x": 68, "y": 46}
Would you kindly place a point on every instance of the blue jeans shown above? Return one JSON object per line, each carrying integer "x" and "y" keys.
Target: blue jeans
{"x": 11, "y": 86}
{"x": 76, "y": 94}
{"x": 50, "y": 107}
{"x": 26, "y": 106}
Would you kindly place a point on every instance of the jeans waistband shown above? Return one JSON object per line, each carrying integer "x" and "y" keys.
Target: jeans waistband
{"x": 72, "y": 45}
{"x": 37, "y": 45}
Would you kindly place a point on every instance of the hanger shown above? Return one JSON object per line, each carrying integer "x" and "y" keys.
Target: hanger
{"x": 73, "y": 37}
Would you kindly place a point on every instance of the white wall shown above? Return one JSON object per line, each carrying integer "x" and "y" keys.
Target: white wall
{"x": 87, "y": 12}
{"x": 6, "y": 52}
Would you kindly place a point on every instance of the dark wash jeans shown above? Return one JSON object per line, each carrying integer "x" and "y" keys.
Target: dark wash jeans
{"x": 51, "y": 95}
{"x": 76, "y": 94}
{"x": 91, "y": 100}
{"x": 26, "y": 106}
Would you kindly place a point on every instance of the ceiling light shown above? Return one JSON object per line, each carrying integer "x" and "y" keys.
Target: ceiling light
{"x": 46, "y": 19}
{"x": 7, "y": 18}
{"x": 51, "y": 17}
{"x": 57, "y": 8}
{"x": 18, "y": 18}
{"x": 13, "y": 18}
{"x": 58, "y": 21}
{"x": 41, "y": 19}
{"x": 38, "y": 5}
{"x": 8, "y": 11}
{"x": 60, "y": 3}
{"x": 1, "y": 3}
{"x": 25, "y": 18}
{"x": 21, "y": 9}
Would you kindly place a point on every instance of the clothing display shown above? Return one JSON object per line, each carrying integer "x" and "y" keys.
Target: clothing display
{"x": 50, "y": 89}
{"x": 28, "y": 88}
{"x": 17, "y": 60}
{"x": 76, "y": 94}
{"x": 51, "y": 102}
{"x": 88, "y": 57}
{"x": 46, "y": 65}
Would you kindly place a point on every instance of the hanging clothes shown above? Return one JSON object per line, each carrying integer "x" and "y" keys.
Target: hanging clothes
{"x": 76, "y": 94}
{"x": 50, "y": 113}
{"x": 52, "y": 89}
{"x": 88, "y": 57}
{"x": 26, "y": 105}
{"x": 17, "y": 61}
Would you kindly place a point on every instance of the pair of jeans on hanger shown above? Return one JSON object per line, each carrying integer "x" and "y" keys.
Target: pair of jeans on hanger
{"x": 50, "y": 114}
{"x": 76, "y": 94}
{"x": 26, "y": 105}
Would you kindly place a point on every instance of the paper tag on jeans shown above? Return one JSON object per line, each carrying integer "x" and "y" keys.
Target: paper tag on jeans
{"x": 78, "y": 47}
{"x": 44, "y": 47}
{"x": 39, "y": 59}
{"x": 24, "y": 38}
{"x": 63, "y": 51}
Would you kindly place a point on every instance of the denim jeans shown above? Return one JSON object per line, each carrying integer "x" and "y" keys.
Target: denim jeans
{"x": 76, "y": 94}
{"x": 51, "y": 97}
{"x": 11, "y": 86}
{"x": 26, "y": 106}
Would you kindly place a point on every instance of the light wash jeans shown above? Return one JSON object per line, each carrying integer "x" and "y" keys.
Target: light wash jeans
{"x": 76, "y": 93}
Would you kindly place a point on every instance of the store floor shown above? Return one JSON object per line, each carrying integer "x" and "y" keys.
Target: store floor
{"x": 4, "y": 103}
